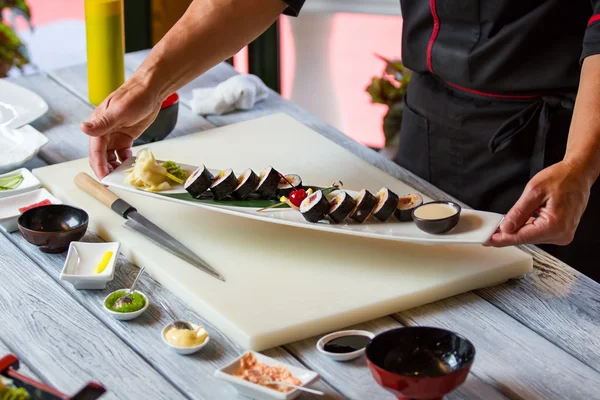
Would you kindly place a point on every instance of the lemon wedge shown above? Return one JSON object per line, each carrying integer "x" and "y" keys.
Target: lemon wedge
{"x": 104, "y": 262}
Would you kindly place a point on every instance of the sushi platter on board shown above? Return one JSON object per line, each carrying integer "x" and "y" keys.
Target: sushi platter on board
{"x": 283, "y": 284}
{"x": 472, "y": 227}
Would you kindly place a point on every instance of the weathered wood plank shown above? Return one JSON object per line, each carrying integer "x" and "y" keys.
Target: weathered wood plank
{"x": 509, "y": 356}
{"x": 192, "y": 374}
{"x": 46, "y": 327}
{"x": 354, "y": 379}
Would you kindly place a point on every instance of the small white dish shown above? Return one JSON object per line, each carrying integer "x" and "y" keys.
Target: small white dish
{"x": 342, "y": 356}
{"x": 184, "y": 350}
{"x": 9, "y": 207}
{"x": 19, "y": 146}
{"x": 28, "y": 184}
{"x": 19, "y": 106}
{"x": 126, "y": 316}
{"x": 81, "y": 274}
{"x": 255, "y": 391}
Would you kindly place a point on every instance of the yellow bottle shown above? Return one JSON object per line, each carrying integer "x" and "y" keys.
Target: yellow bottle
{"x": 105, "y": 47}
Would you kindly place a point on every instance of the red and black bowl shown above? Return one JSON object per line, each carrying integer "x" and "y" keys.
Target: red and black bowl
{"x": 164, "y": 123}
{"x": 423, "y": 363}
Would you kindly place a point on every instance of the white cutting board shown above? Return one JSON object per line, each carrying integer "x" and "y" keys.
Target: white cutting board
{"x": 283, "y": 283}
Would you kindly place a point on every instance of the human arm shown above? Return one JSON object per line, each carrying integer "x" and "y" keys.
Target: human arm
{"x": 559, "y": 194}
{"x": 209, "y": 32}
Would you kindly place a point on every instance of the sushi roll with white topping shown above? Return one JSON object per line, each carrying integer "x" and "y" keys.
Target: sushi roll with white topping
{"x": 288, "y": 184}
{"x": 387, "y": 202}
{"x": 247, "y": 183}
{"x": 406, "y": 205}
{"x": 199, "y": 182}
{"x": 224, "y": 184}
{"x": 268, "y": 182}
{"x": 365, "y": 203}
{"x": 315, "y": 207}
{"x": 340, "y": 207}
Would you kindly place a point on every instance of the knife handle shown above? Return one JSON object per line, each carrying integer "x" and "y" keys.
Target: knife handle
{"x": 102, "y": 194}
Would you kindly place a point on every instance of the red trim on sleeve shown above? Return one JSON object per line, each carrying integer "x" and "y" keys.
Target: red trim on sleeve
{"x": 497, "y": 96}
{"x": 434, "y": 33}
{"x": 594, "y": 19}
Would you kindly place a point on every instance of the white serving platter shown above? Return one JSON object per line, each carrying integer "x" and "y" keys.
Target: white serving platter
{"x": 28, "y": 184}
{"x": 19, "y": 106}
{"x": 9, "y": 207}
{"x": 18, "y": 146}
{"x": 474, "y": 227}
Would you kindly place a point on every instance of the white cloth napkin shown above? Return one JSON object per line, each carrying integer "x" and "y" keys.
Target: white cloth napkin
{"x": 240, "y": 92}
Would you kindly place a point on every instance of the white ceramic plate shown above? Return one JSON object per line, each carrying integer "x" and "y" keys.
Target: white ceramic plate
{"x": 28, "y": 184}
{"x": 19, "y": 106}
{"x": 9, "y": 207}
{"x": 255, "y": 391}
{"x": 474, "y": 227}
{"x": 17, "y": 146}
{"x": 81, "y": 275}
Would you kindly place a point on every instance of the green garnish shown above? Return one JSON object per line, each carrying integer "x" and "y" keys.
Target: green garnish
{"x": 175, "y": 170}
{"x": 9, "y": 392}
{"x": 10, "y": 182}
{"x": 137, "y": 302}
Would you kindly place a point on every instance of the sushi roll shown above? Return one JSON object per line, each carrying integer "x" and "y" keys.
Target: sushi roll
{"x": 247, "y": 182}
{"x": 365, "y": 203}
{"x": 199, "y": 182}
{"x": 315, "y": 207}
{"x": 224, "y": 184}
{"x": 406, "y": 205}
{"x": 387, "y": 202}
{"x": 340, "y": 207}
{"x": 284, "y": 188}
{"x": 268, "y": 182}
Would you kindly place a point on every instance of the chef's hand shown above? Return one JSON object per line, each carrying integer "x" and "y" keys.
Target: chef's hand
{"x": 559, "y": 195}
{"x": 120, "y": 119}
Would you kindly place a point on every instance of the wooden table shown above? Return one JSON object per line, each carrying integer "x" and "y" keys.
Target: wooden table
{"x": 536, "y": 338}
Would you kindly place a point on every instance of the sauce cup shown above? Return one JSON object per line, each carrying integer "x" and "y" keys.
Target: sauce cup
{"x": 183, "y": 350}
{"x": 437, "y": 225}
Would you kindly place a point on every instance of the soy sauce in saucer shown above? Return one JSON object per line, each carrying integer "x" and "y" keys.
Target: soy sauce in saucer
{"x": 346, "y": 344}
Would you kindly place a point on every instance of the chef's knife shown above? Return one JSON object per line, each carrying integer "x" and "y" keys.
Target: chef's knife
{"x": 141, "y": 224}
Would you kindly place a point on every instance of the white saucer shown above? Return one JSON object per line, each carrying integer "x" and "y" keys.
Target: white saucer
{"x": 343, "y": 356}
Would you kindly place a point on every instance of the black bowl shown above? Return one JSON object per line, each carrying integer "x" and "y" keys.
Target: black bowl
{"x": 53, "y": 227}
{"x": 164, "y": 123}
{"x": 437, "y": 226}
{"x": 420, "y": 362}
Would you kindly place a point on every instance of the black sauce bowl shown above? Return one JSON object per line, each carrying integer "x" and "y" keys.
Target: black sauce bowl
{"x": 164, "y": 123}
{"x": 420, "y": 362}
{"x": 438, "y": 226}
{"x": 53, "y": 227}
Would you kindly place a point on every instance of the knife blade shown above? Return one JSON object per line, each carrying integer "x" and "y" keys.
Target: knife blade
{"x": 142, "y": 225}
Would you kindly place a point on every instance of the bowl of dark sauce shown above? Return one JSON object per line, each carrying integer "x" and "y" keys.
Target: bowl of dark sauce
{"x": 53, "y": 227}
{"x": 345, "y": 345}
{"x": 423, "y": 363}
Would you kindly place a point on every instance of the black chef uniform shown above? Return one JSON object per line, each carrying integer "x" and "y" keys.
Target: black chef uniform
{"x": 491, "y": 99}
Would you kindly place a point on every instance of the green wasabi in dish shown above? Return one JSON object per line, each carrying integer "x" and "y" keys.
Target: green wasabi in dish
{"x": 137, "y": 302}
{"x": 175, "y": 170}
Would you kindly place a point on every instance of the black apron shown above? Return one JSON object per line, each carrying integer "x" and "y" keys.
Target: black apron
{"x": 484, "y": 151}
